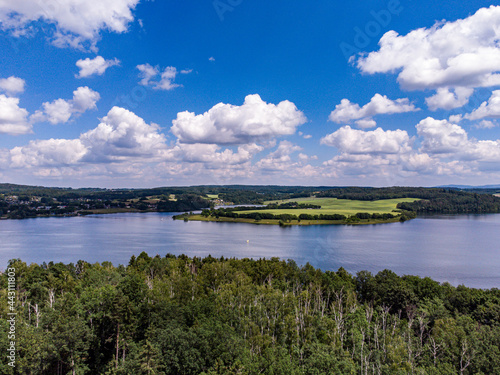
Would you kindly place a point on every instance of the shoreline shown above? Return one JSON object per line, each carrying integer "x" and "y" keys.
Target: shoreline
{"x": 285, "y": 224}
{"x": 97, "y": 211}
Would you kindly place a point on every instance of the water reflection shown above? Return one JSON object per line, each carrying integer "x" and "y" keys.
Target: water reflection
{"x": 454, "y": 248}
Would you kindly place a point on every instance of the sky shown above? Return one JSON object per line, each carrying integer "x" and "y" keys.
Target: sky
{"x": 130, "y": 93}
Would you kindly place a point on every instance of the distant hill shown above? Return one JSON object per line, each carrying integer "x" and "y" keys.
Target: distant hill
{"x": 469, "y": 187}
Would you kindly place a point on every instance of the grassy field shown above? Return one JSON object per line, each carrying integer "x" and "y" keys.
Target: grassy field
{"x": 338, "y": 206}
{"x": 213, "y": 196}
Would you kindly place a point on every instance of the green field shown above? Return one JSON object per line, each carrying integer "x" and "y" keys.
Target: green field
{"x": 337, "y": 206}
{"x": 213, "y": 196}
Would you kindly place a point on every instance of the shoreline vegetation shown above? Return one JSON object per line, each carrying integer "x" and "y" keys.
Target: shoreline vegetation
{"x": 285, "y": 204}
{"x": 309, "y": 211}
{"x": 180, "y": 315}
{"x": 281, "y": 222}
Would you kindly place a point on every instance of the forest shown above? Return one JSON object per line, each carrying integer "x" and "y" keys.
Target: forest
{"x": 181, "y": 315}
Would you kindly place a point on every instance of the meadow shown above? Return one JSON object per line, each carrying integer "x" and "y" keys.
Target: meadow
{"x": 331, "y": 206}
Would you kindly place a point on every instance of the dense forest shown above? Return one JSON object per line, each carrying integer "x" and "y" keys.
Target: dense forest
{"x": 181, "y": 315}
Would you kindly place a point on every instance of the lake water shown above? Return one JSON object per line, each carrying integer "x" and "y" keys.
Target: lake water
{"x": 460, "y": 249}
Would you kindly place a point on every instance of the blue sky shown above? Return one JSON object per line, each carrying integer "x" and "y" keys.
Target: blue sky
{"x": 128, "y": 93}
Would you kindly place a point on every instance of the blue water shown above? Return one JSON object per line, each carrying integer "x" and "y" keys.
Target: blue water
{"x": 460, "y": 249}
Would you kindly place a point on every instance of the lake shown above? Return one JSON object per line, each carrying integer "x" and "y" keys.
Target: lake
{"x": 460, "y": 249}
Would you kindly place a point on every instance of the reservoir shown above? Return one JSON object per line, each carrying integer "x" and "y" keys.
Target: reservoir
{"x": 459, "y": 249}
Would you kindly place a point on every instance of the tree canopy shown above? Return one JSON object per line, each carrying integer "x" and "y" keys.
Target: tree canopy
{"x": 182, "y": 315}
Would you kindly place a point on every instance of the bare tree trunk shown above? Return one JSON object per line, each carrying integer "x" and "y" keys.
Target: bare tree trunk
{"x": 117, "y": 343}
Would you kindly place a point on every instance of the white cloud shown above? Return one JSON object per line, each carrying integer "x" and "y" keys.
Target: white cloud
{"x": 84, "y": 99}
{"x": 13, "y": 119}
{"x": 455, "y": 118}
{"x": 446, "y": 99}
{"x": 441, "y": 136}
{"x": 366, "y": 123}
{"x": 186, "y": 71}
{"x": 123, "y": 146}
{"x": 418, "y": 162}
{"x": 210, "y": 154}
{"x": 447, "y": 140}
{"x": 347, "y": 111}
{"x": 12, "y": 85}
{"x": 485, "y": 124}
{"x": 378, "y": 141}
{"x": 96, "y": 66}
{"x": 211, "y": 59}
{"x": 76, "y": 22}
{"x": 389, "y": 158}
{"x": 460, "y": 54}
{"x": 61, "y": 110}
{"x": 122, "y": 135}
{"x": 280, "y": 162}
{"x": 166, "y": 81}
{"x": 148, "y": 72}
{"x": 56, "y": 112}
{"x": 284, "y": 150}
{"x": 48, "y": 153}
{"x": 254, "y": 121}
{"x": 305, "y": 136}
{"x": 490, "y": 109}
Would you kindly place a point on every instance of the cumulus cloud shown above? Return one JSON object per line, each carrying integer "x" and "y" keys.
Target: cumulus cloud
{"x": 96, "y": 66}
{"x": 254, "y": 121}
{"x": 378, "y": 141}
{"x": 122, "y": 135}
{"x": 347, "y": 111}
{"x": 148, "y": 72}
{"x": 447, "y": 99}
{"x": 211, "y": 154}
{"x": 12, "y": 85}
{"x": 60, "y": 110}
{"x": 49, "y": 152}
{"x": 76, "y": 22}
{"x": 455, "y": 118}
{"x": 281, "y": 162}
{"x": 490, "y": 109}
{"x": 13, "y": 119}
{"x": 284, "y": 150}
{"x": 460, "y": 54}
{"x": 451, "y": 141}
{"x": 123, "y": 145}
{"x": 441, "y": 136}
{"x": 366, "y": 123}
{"x": 377, "y": 154}
{"x": 390, "y": 157}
